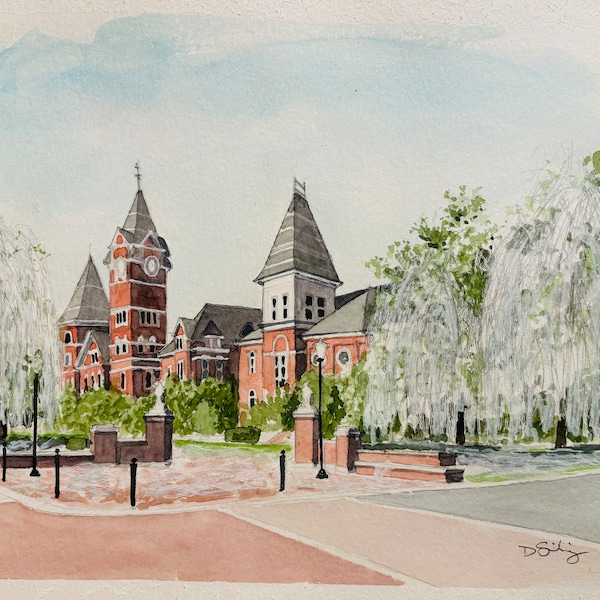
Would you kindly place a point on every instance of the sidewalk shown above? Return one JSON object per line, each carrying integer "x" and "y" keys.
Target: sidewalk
{"x": 207, "y": 518}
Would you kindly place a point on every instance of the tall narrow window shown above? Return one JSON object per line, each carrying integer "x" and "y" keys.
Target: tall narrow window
{"x": 252, "y": 362}
{"x": 321, "y": 307}
{"x": 274, "y": 311}
{"x": 205, "y": 369}
{"x": 284, "y": 300}
{"x": 280, "y": 370}
{"x": 251, "y": 398}
{"x": 180, "y": 369}
{"x": 148, "y": 379}
{"x": 219, "y": 370}
{"x": 122, "y": 381}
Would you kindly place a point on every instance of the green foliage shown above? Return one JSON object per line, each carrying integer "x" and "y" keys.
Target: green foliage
{"x": 247, "y": 435}
{"x": 459, "y": 244}
{"x": 95, "y": 407}
{"x": 343, "y": 401}
{"x": 207, "y": 408}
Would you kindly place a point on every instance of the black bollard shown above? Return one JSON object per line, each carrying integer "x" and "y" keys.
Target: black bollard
{"x": 4, "y": 461}
{"x": 282, "y": 471}
{"x": 57, "y": 473}
{"x": 133, "y": 479}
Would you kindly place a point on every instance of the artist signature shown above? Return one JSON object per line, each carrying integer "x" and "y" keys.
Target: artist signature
{"x": 544, "y": 549}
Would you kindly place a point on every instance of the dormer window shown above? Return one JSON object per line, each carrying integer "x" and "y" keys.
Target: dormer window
{"x": 179, "y": 342}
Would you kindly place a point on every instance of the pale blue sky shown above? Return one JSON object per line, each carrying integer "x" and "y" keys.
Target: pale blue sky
{"x": 222, "y": 113}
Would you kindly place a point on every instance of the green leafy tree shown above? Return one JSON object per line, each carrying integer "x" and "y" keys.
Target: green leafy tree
{"x": 426, "y": 355}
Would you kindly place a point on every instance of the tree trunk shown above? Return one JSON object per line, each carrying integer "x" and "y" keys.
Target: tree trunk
{"x": 460, "y": 429}
{"x": 561, "y": 433}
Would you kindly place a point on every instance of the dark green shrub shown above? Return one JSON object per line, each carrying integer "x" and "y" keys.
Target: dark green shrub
{"x": 247, "y": 435}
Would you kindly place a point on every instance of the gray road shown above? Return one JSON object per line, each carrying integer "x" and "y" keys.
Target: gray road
{"x": 569, "y": 506}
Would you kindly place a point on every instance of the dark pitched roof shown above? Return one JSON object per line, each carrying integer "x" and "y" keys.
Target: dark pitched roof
{"x": 229, "y": 321}
{"x": 136, "y": 227}
{"x": 352, "y": 317}
{"x": 299, "y": 244}
{"x": 89, "y": 301}
{"x": 138, "y": 222}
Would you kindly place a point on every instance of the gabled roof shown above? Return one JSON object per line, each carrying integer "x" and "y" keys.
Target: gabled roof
{"x": 188, "y": 326}
{"x": 299, "y": 244}
{"x": 89, "y": 301}
{"x": 102, "y": 339}
{"x": 229, "y": 321}
{"x": 352, "y": 317}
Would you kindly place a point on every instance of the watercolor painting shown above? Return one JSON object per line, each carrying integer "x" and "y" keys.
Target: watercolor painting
{"x": 299, "y": 301}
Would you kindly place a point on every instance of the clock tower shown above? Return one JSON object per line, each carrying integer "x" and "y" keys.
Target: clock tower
{"x": 138, "y": 263}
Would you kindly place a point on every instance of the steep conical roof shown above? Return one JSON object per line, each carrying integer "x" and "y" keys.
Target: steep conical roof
{"x": 139, "y": 221}
{"x": 299, "y": 244}
{"x": 89, "y": 301}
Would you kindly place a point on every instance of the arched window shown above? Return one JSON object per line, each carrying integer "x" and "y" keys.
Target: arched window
{"x": 252, "y": 362}
{"x": 219, "y": 370}
{"x": 251, "y": 398}
{"x": 68, "y": 337}
{"x": 205, "y": 370}
{"x": 148, "y": 379}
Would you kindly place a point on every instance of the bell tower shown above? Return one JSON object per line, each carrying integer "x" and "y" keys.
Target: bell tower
{"x": 138, "y": 263}
{"x": 299, "y": 283}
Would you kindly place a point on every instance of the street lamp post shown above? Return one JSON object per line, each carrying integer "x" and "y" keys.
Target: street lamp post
{"x": 321, "y": 348}
{"x": 36, "y": 383}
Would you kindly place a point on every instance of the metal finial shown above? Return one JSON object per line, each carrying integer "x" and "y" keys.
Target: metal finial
{"x": 138, "y": 176}
{"x": 299, "y": 187}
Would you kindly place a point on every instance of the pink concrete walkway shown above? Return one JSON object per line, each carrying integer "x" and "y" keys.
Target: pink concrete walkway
{"x": 435, "y": 549}
{"x": 199, "y": 546}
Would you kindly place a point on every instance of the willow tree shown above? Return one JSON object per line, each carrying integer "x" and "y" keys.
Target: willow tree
{"x": 28, "y": 336}
{"x": 541, "y": 316}
{"x": 425, "y": 362}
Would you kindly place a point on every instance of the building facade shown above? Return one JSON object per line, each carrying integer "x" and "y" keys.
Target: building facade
{"x": 120, "y": 340}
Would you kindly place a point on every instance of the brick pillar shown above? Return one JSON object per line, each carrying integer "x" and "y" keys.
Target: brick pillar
{"x": 159, "y": 437}
{"x": 347, "y": 444}
{"x": 306, "y": 435}
{"x": 104, "y": 443}
{"x": 159, "y": 429}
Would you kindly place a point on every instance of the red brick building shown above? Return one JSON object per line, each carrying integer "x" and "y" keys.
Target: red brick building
{"x": 121, "y": 341}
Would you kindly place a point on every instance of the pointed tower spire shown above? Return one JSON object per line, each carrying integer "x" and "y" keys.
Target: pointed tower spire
{"x": 89, "y": 302}
{"x": 139, "y": 221}
{"x": 299, "y": 244}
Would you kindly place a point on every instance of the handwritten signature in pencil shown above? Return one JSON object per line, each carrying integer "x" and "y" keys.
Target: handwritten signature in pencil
{"x": 544, "y": 549}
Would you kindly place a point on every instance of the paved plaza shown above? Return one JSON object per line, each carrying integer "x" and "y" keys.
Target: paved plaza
{"x": 216, "y": 519}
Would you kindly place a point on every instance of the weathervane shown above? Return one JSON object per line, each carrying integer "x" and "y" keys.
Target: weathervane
{"x": 138, "y": 175}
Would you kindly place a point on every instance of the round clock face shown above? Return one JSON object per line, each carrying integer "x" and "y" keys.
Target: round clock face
{"x": 120, "y": 266}
{"x": 151, "y": 266}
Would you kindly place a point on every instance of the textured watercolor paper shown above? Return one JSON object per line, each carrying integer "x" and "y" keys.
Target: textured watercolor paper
{"x": 378, "y": 107}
